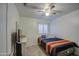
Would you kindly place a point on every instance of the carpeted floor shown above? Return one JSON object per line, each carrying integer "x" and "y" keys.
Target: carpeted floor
{"x": 34, "y": 51}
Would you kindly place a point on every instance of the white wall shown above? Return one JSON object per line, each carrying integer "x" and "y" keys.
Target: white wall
{"x": 12, "y": 18}
{"x": 8, "y": 17}
{"x": 67, "y": 26}
{"x": 30, "y": 29}
{"x": 2, "y": 29}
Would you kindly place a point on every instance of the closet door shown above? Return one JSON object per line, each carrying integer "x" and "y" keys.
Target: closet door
{"x": 3, "y": 47}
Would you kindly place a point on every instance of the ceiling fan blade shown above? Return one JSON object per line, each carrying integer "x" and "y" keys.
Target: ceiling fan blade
{"x": 59, "y": 11}
{"x": 56, "y": 12}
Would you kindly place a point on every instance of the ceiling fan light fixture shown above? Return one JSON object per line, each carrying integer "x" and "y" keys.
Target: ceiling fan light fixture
{"x": 47, "y": 14}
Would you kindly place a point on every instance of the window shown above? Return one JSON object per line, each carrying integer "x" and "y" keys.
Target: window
{"x": 43, "y": 28}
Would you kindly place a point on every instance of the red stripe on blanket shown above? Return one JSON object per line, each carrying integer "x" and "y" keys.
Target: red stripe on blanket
{"x": 55, "y": 43}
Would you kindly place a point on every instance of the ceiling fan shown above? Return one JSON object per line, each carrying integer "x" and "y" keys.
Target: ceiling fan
{"x": 47, "y": 10}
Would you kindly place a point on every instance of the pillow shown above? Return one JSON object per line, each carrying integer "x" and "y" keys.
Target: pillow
{"x": 50, "y": 36}
{"x": 43, "y": 36}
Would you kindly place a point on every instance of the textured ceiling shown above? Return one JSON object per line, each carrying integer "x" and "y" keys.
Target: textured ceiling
{"x": 61, "y": 9}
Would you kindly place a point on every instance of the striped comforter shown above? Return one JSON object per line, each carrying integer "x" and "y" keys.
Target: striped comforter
{"x": 53, "y": 44}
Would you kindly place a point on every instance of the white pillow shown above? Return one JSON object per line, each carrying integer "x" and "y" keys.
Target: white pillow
{"x": 50, "y": 36}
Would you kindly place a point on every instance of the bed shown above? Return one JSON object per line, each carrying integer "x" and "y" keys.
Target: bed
{"x": 56, "y": 46}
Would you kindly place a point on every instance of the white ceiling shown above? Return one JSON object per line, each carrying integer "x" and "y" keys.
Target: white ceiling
{"x": 62, "y": 9}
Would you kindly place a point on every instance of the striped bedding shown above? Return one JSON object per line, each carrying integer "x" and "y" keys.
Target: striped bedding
{"x": 54, "y": 45}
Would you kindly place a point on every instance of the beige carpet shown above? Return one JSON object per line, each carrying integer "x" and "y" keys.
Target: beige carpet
{"x": 34, "y": 50}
